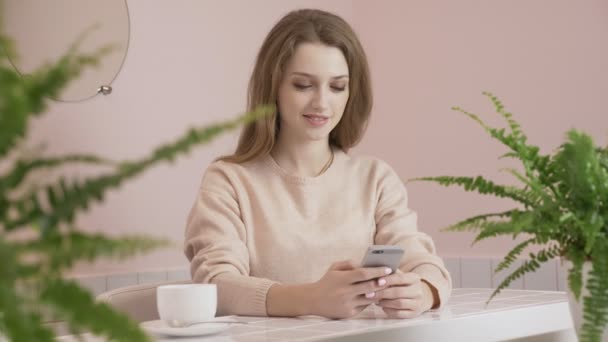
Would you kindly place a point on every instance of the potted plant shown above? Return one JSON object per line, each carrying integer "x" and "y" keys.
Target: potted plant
{"x": 562, "y": 207}
{"x": 39, "y": 238}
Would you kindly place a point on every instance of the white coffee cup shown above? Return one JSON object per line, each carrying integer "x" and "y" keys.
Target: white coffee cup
{"x": 186, "y": 303}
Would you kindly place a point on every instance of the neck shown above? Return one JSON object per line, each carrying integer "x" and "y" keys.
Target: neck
{"x": 307, "y": 159}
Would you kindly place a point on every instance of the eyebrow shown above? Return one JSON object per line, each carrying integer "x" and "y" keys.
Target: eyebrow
{"x": 313, "y": 76}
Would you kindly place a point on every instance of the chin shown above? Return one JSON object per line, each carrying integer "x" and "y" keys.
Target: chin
{"x": 316, "y": 136}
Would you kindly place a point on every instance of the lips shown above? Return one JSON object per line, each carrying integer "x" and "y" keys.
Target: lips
{"x": 316, "y": 120}
{"x": 316, "y": 116}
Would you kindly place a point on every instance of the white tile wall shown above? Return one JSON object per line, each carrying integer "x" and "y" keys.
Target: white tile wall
{"x": 151, "y": 277}
{"x": 453, "y": 266}
{"x": 103, "y": 283}
{"x": 178, "y": 274}
{"x": 121, "y": 280}
{"x": 465, "y": 272}
{"x": 476, "y": 272}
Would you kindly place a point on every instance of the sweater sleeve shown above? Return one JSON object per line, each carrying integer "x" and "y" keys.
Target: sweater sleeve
{"x": 215, "y": 244}
{"x": 396, "y": 224}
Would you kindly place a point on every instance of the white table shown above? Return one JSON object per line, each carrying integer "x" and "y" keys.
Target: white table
{"x": 519, "y": 315}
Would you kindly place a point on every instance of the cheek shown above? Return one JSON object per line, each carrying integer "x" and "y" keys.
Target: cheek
{"x": 292, "y": 103}
{"x": 340, "y": 102}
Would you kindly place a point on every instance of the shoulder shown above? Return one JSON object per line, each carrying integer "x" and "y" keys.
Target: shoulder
{"x": 372, "y": 167}
{"x": 221, "y": 176}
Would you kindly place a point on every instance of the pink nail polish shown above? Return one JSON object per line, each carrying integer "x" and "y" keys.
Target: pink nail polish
{"x": 388, "y": 271}
{"x": 370, "y": 295}
{"x": 381, "y": 282}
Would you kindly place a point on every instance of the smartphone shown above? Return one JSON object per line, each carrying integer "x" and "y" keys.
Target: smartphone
{"x": 383, "y": 255}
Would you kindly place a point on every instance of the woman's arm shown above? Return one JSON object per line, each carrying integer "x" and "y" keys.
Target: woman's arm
{"x": 289, "y": 300}
{"x": 396, "y": 224}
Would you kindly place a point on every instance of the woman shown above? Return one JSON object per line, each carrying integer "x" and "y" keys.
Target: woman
{"x": 281, "y": 225}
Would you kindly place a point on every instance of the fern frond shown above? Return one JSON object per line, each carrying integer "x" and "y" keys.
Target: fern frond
{"x": 66, "y": 198}
{"x": 575, "y": 274}
{"x": 22, "y": 167}
{"x": 516, "y": 140}
{"x": 514, "y": 125}
{"x": 518, "y": 222}
{"x": 24, "y": 98}
{"x": 511, "y": 257}
{"x": 79, "y": 308}
{"x": 581, "y": 171}
{"x": 535, "y": 187}
{"x": 64, "y": 249}
{"x": 482, "y": 186}
{"x": 595, "y": 304}
{"x": 472, "y": 223}
{"x": 528, "y": 266}
{"x": 17, "y": 320}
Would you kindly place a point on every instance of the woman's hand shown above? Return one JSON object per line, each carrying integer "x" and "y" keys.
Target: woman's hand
{"x": 406, "y": 296}
{"x": 345, "y": 290}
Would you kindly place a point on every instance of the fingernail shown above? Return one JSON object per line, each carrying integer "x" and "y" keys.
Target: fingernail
{"x": 388, "y": 270}
{"x": 370, "y": 295}
{"x": 381, "y": 281}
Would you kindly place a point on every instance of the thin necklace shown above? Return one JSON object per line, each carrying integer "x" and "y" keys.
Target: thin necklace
{"x": 328, "y": 164}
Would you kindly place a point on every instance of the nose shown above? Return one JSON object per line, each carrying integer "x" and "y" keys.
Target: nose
{"x": 320, "y": 101}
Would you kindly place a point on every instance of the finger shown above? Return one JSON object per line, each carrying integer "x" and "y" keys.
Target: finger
{"x": 400, "y": 304}
{"x": 408, "y": 278}
{"x": 394, "y": 292}
{"x": 400, "y": 314}
{"x": 363, "y": 300}
{"x": 367, "y": 273}
{"x": 368, "y": 287}
{"x": 344, "y": 265}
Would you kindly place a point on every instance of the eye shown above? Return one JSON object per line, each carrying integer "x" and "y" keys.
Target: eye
{"x": 338, "y": 89}
{"x": 301, "y": 86}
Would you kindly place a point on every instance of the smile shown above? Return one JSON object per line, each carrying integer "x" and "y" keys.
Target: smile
{"x": 316, "y": 120}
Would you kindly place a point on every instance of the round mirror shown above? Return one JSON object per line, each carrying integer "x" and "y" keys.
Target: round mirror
{"x": 44, "y": 30}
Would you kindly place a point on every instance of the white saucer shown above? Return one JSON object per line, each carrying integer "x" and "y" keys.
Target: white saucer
{"x": 161, "y": 328}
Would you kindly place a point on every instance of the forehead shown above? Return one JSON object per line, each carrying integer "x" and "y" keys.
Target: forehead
{"x": 319, "y": 60}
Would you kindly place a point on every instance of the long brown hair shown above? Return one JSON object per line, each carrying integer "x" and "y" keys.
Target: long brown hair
{"x": 304, "y": 26}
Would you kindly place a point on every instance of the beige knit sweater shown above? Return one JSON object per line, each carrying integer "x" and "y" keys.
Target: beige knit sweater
{"x": 254, "y": 224}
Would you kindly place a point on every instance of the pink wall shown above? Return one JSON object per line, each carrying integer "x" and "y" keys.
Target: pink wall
{"x": 188, "y": 64}
{"x": 547, "y": 60}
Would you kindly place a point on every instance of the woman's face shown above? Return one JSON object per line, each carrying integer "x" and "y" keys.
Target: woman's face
{"x": 313, "y": 92}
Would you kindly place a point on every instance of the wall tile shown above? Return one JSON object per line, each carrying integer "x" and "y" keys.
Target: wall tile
{"x": 121, "y": 280}
{"x": 151, "y": 277}
{"x": 476, "y": 272}
{"x": 178, "y": 274}
{"x": 453, "y": 266}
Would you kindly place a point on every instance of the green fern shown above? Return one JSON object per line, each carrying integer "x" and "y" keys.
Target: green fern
{"x": 530, "y": 265}
{"x": 473, "y": 223}
{"x": 513, "y": 254}
{"x": 518, "y": 222}
{"x": 24, "y": 166}
{"x": 481, "y": 185}
{"x": 79, "y": 307}
{"x": 66, "y": 197}
{"x": 31, "y": 289}
{"x": 565, "y": 209}
{"x": 596, "y": 303}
